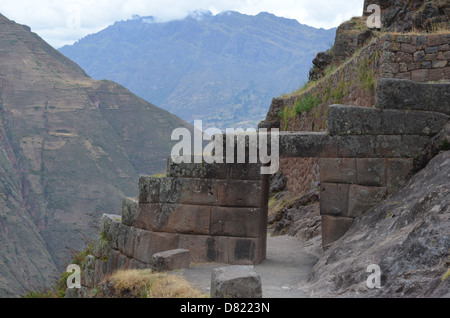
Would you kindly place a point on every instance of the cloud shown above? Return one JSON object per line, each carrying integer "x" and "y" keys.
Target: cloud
{"x": 63, "y": 22}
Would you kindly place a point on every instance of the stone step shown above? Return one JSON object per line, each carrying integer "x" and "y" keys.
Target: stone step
{"x": 407, "y": 95}
{"x": 354, "y": 120}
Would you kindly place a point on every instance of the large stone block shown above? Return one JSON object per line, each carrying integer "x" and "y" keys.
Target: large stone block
{"x": 221, "y": 171}
{"x": 397, "y": 173}
{"x": 149, "y": 189}
{"x": 111, "y": 264}
{"x": 399, "y": 146}
{"x": 238, "y": 193}
{"x": 180, "y": 218}
{"x": 246, "y": 251}
{"x": 395, "y": 122}
{"x": 146, "y": 215}
{"x": 405, "y": 94}
{"x": 307, "y": 145}
{"x": 171, "y": 260}
{"x": 339, "y": 170}
{"x": 240, "y": 222}
{"x": 356, "y": 146}
{"x": 188, "y": 191}
{"x": 362, "y": 199}
{"x": 333, "y": 228}
{"x": 142, "y": 250}
{"x": 333, "y": 198}
{"x": 114, "y": 232}
{"x": 371, "y": 172}
{"x": 130, "y": 211}
{"x": 106, "y": 221}
{"x": 161, "y": 242}
{"x": 353, "y": 120}
{"x": 124, "y": 234}
{"x": 236, "y": 282}
{"x": 205, "y": 248}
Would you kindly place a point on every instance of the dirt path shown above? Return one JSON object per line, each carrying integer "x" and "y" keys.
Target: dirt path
{"x": 289, "y": 261}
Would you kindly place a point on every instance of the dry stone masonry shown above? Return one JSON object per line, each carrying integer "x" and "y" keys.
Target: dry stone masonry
{"x": 218, "y": 212}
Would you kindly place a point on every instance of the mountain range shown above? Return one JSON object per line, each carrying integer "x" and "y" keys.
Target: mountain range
{"x": 223, "y": 69}
{"x": 71, "y": 148}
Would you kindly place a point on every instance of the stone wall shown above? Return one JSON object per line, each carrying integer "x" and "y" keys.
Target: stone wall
{"x": 217, "y": 212}
{"x": 418, "y": 57}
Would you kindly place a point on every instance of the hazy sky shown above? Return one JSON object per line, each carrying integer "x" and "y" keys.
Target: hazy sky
{"x": 62, "y": 22}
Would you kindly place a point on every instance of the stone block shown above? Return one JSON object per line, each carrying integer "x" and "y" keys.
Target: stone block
{"x": 142, "y": 250}
{"x": 307, "y": 145}
{"x": 236, "y": 282}
{"x": 436, "y": 74}
{"x": 244, "y": 171}
{"x": 114, "y": 232}
{"x": 181, "y": 218}
{"x": 396, "y": 146}
{"x": 333, "y": 228}
{"x": 439, "y": 64}
{"x": 130, "y": 241}
{"x": 371, "y": 172}
{"x": 111, "y": 264}
{"x": 362, "y": 199}
{"x": 408, "y": 48}
{"x": 101, "y": 248}
{"x": 434, "y": 40}
{"x": 149, "y": 189}
{"x": 146, "y": 215}
{"x": 205, "y": 249}
{"x": 124, "y": 233}
{"x": 162, "y": 242}
{"x": 240, "y": 222}
{"x": 130, "y": 211}
{"x": 339, "y": 170}
{"x": 237, "y": 193}
{"x": 420, "y": 76}
{"x": 356, "y": 146}
{"x": 419, "y": 56}
{"x": 353, "y": 120}
{"x": 106, "y": 221}
{"x": 171, "y": 260}
{"x": 392, "y": 122}
{"x": 333, "y": 198}
{"x": 431, "y": 49}
{"x": 403, "y": 57}
{"x": 246, "y": 251}
{"x": 188, "y": 191}
{"x": 404, "y": 75}
{"x": 397, "y": 173}
{"x": 424, "y": 122}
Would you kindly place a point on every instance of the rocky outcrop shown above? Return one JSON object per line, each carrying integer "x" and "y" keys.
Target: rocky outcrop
{"x": 322, "y": 60}
{"x": 406, "y": 15}
{"x": 407, "y": 236}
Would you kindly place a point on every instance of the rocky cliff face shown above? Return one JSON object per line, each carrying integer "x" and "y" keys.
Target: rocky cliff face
{"x": 70, "y": 149}
{"x": 407, "y": 236}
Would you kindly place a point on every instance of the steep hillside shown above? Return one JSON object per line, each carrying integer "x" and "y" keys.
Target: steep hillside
{"x": 70, "y": 149}
{"x": 223, "y": 69}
